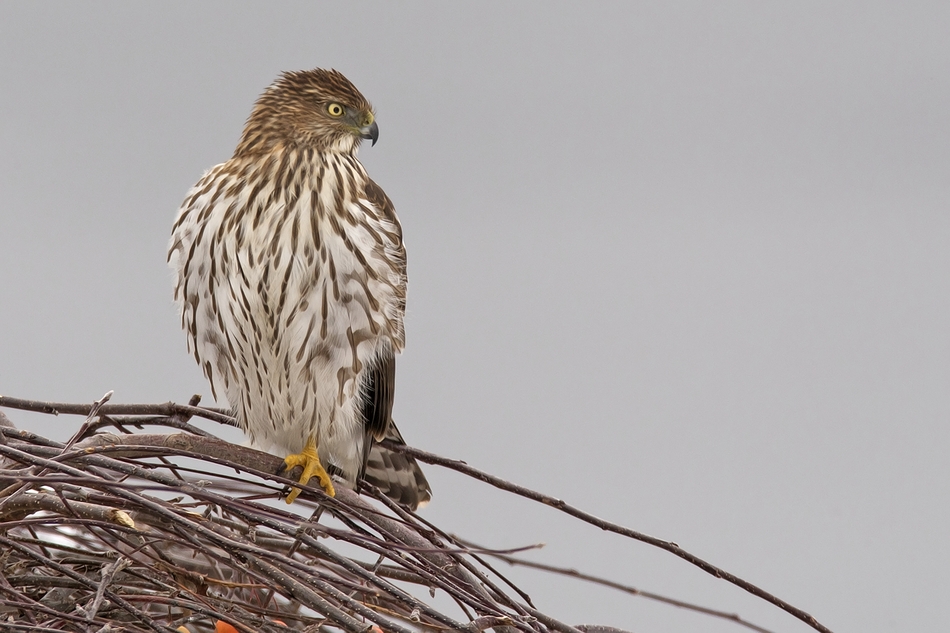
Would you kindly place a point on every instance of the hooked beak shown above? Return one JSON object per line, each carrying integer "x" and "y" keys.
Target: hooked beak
{"x": 370, "y": 131}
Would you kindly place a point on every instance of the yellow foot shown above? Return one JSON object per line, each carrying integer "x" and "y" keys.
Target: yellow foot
{"x": 311, "y": 468}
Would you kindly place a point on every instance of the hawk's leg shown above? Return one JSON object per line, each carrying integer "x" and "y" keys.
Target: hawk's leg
{"x": 312, "y": 467}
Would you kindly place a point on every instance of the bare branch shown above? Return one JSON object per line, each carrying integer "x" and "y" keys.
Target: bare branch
{"x": 573, "y": 573}
{"x": 607, "y": 526}
{"x": 165, "y": 408}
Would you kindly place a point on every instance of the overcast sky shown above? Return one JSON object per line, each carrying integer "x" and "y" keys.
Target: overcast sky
{"x": 684, "y": 265}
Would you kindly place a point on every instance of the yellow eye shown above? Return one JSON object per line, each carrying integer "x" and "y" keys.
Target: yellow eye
{"x": 335, "y": 110}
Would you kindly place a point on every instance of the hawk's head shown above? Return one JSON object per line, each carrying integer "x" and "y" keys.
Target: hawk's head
{"x": 317, "y": 109}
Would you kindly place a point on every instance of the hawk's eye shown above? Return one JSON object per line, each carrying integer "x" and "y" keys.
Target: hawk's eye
{"x": 335, "y": 110}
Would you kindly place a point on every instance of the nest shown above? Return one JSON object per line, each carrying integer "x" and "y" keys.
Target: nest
{"x": 130, "y": 531}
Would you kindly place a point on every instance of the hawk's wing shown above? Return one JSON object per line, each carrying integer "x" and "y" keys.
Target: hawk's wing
{"x": 378, "y": 198}
{"x": 397, "y": 475}
{"x": 379, "y": 390}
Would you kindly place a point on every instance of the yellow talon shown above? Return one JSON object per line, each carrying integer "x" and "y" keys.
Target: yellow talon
{"x": 312, "y": 467}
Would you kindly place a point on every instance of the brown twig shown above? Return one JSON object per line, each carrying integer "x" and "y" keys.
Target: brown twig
{"x": 607, "y": 526}
{"x": 165, "y": 408}
{"x": 573, "y": 573}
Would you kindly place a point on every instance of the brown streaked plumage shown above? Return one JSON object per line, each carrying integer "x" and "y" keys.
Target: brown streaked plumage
{"x": 291, "y": 279}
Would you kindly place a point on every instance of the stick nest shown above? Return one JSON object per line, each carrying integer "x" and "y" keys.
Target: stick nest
{"x": 123, "y": 531}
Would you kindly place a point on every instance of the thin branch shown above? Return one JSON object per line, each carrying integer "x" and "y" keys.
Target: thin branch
{"x": 607, "y": 526}
{"x": 573, "y": 573}
{"x": 165, "y": 408}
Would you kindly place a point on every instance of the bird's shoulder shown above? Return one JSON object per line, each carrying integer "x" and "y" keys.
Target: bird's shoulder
{"x": 377, "y": 197}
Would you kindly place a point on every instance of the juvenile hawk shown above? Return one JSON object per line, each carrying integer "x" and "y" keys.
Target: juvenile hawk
{"x": 290, "y": 273}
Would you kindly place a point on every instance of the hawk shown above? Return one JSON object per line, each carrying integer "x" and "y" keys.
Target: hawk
{"x": 290, "y": 274}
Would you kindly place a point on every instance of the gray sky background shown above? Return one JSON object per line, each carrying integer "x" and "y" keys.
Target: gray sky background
{"x": 683, "y": 265}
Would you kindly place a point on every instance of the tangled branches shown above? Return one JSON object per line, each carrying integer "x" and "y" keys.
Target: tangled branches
{"x": 181, "y": 532}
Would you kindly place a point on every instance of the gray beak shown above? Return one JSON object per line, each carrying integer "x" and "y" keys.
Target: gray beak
{"x": 370, "y": 131}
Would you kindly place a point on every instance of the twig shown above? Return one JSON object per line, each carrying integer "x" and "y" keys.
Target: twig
{"x": 108, "y": 573}
{"x": 573, "y": 573}
{"x": 165, "y": 408}
{"x": 607, "y": 526}
{"x": 27, "y": 504}
{"x": 82, "y": 579}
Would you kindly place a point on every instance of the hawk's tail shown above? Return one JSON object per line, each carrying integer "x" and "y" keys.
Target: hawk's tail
{"x": 397, "y": 475}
